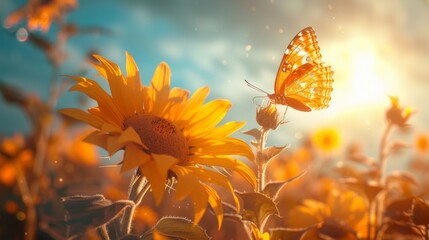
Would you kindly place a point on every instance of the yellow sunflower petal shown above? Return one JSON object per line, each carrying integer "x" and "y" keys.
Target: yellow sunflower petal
{"x": 97, "y": 138}
{"x": 178, "y": 95}
{"x": 111, "y": 144}
{"x": 83, "y": 116}
{"x": 193, "y": 104}
{"x": 122, "y": 94}
{"x": 119, "y": 141}
{"x": 215, "y": 178}
{"x": 134, "y": 156}
{"x": 164, "y": 163}
{"x": 109, "y": 128}
{"x": 216, "y": 133}
{"x": 134, "y": 84}
{"x": 130, "y": 135}
{"x": 110, "y": 67}
{"x": 159, "y": 89}
{"x": 156, "y": 172}
{"x": 132, "y": 69}
{"x": 229, "y": 146}
{"x": 177, "y": 99}
{"x": 200, "y": 199}
{"x": 216, "y": 203}
{"x": 229, "y": 163}
{"x": 157, "y": 183}
{"x": 186, "y": 182}
{"x": 100, "y": 70}
{"x": 208, "y": 116}
{"x": 93, "y": 90}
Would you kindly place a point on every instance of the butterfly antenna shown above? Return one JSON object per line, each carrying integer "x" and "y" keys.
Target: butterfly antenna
{"x": 255, "y": 87}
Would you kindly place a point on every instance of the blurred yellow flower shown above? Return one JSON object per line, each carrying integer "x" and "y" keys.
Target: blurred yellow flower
{"x": 164, "y": 133}
{"x": 397, "y": 115}
{"x": 326, "y": 139}
{"x": 144, "y": 217}
{"x": 81, "y": 152}
{"x": 422, "y": 143}
{"x": 40, "y": 13}
{"x": 13, "y": 155}
{"x": 345, "y": 207}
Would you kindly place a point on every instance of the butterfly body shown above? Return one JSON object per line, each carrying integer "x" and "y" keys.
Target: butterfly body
{"x": 303, "y": 81}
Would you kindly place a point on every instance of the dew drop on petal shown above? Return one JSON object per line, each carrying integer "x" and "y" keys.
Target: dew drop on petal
{"x": 60, "y": 180}
{"x": 22, "y": 34}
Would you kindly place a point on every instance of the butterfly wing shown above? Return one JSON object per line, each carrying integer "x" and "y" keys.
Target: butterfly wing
{"x": 303, "y": 82}
{"x": 302, "y": 49}
{"x": 310, "y": 88}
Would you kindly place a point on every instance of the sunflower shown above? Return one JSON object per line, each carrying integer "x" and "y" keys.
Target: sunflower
{"x": 165, "y": 133}
{"x": 326, "y": 139}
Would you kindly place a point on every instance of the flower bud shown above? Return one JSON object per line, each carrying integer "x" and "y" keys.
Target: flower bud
{"x": 267, "y": 117}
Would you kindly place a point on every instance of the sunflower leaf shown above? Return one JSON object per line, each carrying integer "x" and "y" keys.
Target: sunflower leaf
{"x": 254, "y": 143}
{"x": 287, "y": 233}
{"x": 256, "y": 133}
{"x": 257, "y": 207}
{"x": 420, "y": 212}
{"x": 271, "y": 152}
{"x": 272, "y": 189}
{"x": 175, "y": 228}
{"x": 87, "y": 212}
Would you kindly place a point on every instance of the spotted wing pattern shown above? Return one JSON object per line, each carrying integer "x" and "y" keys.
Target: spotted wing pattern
{"x": 303, "y": 81}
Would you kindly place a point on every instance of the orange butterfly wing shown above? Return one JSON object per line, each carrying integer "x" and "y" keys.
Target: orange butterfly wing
{"x": 303, "y": 82}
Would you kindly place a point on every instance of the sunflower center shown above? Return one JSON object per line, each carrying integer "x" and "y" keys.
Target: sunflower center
{"x": 160, "y": 136}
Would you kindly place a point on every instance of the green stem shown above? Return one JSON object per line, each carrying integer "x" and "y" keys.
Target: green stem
{"x": 138, "y": 188}
{"x": 27, "y": 198}
{"x": 383, "y": 154}
{"x": 260, "y": 162}
{"x": 102, "y": 232}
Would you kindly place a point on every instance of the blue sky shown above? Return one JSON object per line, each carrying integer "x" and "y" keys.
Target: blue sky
{"x": 376, "y": 48}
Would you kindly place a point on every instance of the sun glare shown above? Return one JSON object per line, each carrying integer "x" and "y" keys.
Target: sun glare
{"x": 361, "y": 74}
{"x": 365, "y": 80}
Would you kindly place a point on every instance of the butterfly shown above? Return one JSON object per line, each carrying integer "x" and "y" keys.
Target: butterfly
{"x": 303, "y": 81}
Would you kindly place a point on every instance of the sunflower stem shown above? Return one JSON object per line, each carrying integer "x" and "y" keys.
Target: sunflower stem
{"x": 102, "y": 232}
{"x": 27, "y": 199}
{"x": 138, "y": 189}
{"x": 383, "y": 152}
{"x": 261, "y": 161}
